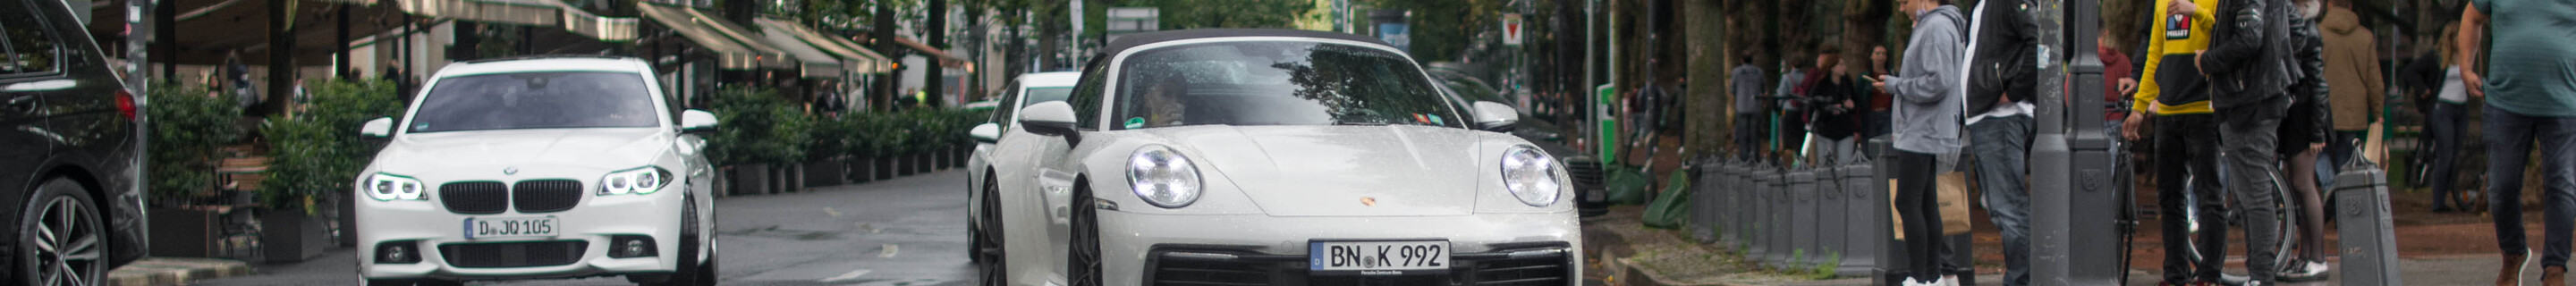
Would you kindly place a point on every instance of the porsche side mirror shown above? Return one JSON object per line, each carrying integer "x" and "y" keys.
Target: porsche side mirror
{"x": 697, "y": 121}
{"x": 986, "y": 133}
{"x": 1496, "y": 117}
{"x": 1052, "y": 118}
{"x": 377, "y": 129}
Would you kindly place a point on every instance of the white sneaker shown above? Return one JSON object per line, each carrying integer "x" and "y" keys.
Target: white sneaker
{"x": 1949, "y": 281}
{"x": 1909, "y": 281}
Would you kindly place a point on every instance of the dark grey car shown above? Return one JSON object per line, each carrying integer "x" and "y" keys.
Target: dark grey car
{"x": 67, "y": 152}
{"x": 1591, "y": 198}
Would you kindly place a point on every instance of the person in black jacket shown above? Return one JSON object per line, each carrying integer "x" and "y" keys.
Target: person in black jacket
{"x": 1831, "y": 96}
{"x": 2249, "y": 66}
{"x": 2002, "y": 77}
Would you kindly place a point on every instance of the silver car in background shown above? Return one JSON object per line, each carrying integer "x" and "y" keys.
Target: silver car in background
{"x": 1274, "y": 157}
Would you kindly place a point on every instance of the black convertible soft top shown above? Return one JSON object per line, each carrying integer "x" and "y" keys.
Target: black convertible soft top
{"x": 1130, "y": 41}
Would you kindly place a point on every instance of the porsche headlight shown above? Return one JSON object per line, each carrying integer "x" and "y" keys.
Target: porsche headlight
{"x": 1531, "y": 176}
{"x": 641, "y": 180}
{"x": 388, "y": 187}
{"x": 1163, "y": 177}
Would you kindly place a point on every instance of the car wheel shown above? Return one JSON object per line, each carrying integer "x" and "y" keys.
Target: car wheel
{"x": 386, "y": 282}
{"x": 690, "y": 271}
{"x": 988, "y": 248}
{"x": 1084, "y": 255}
{"x": 974, "y": 230}
{"x": 62, "y": 240}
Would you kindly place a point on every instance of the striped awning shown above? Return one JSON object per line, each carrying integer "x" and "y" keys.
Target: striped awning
{"x": 526, "y": 12}
{"x": 853, "y": 58}
{"x": 730, "y": 54}
{"x": 811, "y": 61}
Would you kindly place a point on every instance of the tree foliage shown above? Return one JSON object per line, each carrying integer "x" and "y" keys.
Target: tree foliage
{"x": 187, "y": 126}
{"x": 318, "y": 152}
{"x": 1444, "y": 28}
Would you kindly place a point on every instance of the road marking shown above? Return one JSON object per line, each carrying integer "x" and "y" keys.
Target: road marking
{"x": 854, "y": 274}
{"x": 888, "y": 251}
{"x": 834, "y": 213}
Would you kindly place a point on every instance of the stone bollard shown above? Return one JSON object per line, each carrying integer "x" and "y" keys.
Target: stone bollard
{"x": 1757, "y": 221}
{"x": 1865, "y": 227}
{"x": 1830, "y": 221}
{"x": 2369, "y": 240}
{"x": 1778, "y": 227}
{"x": 1727, "y": 203}
{"x": 1802, "y": 219}
{"x": 1703, "y": 201}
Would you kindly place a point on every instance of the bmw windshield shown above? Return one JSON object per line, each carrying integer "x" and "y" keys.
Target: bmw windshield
{"x": 536, "y": 100}
{"x": 1275, "y": 83}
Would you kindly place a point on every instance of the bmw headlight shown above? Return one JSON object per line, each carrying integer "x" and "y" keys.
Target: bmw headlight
{"x": 1163, "y": 177}
{"x": 641, "y": 180}
{"x": 1531, "y": 176}
{"x": 388, "y": 187}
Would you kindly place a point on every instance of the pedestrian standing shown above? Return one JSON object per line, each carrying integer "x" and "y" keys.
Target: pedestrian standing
{"x": 2352, "y": 66}
{"x": 1879, "y": 100}
{"x": 2303, "y": 131}
{"x": 2115, "y": 66}
{"x": 1747, "y": 85}
{"x": 2250, "y": 63}
{"x": 2527, "y": 76}
{"x": 2175, "y": 95}
{"x": 1792, "y": 118}
{"x": 2447, "y": 108}
{"x": 1834, "y": 121}
{"x": 2002, "y": 75}
{"x": 1927, "y": 125}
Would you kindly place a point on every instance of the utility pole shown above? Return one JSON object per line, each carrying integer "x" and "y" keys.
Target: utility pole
{"x": 2076, "y": 219}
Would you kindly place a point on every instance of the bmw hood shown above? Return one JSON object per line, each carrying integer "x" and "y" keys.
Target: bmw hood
{"x": 589, "y": 147}
{"x": 1342, "y": 170}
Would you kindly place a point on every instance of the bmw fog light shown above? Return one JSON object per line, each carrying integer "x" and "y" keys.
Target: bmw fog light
{"x": 623, "y": 246}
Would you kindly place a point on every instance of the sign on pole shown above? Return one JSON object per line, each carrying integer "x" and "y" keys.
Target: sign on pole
{"x": 1512, "y": 29}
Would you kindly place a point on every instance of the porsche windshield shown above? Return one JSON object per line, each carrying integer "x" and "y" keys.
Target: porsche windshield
{"x": 1275, "y": 83}
{"x": 536, "y": 100}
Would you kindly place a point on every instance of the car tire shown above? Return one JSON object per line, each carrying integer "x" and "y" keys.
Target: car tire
{"x": 63, "y": 207}
{"x": 690, "y": 271}
{"x": 974, "y": 229}
{"x": 386, "y": 282}
{"x": 990, "y": 257}
{"x": 1083, "y": 251}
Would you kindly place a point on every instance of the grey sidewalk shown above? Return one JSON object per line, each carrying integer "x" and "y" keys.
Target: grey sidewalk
{"x": 2450, "y": 270}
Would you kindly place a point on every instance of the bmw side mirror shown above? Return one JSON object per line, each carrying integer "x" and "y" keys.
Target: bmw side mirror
{"x": 377, "y": 129}
{"x": 1052, "y": 118}
{"x": 986, "y": 133}
{"x": 697, "y": 121}
{"x": 1496, "y": 117}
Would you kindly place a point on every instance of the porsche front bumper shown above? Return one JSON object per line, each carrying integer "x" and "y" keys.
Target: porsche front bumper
{"x": 1490, "y": 249}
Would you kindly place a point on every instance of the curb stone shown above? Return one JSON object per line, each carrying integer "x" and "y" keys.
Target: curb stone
{"x": 151, "y": 271}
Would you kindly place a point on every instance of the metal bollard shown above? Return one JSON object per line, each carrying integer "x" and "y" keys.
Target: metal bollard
{"x": 1802, "y": 219}
{"x": 1883, "y": 209}
{"x": 2369, "y": 240}
{"x": 1865, "y": 227}
{"x": 1830, "y": 229}
{"x": 1724, "y": 188}
{"x": 1703, "y": 219}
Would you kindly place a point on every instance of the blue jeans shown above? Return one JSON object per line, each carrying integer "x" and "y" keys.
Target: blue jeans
{"x": 2509, "y": 139}
{"x": 2446, "y": 128}
{"x": 2001, "y": 146}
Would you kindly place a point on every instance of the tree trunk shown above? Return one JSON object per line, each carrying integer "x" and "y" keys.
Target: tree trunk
{"x": 933, "y": 75}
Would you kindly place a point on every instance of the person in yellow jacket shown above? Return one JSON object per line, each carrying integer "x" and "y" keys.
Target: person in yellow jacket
{"x": 2175, "y": 94}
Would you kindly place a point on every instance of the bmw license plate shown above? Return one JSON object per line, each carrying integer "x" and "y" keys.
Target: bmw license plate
{"x": 1377, "y": 257}
{"x": 500, "y": 227}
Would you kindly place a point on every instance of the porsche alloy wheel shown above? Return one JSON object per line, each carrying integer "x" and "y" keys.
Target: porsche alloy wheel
{"x": 62, "y": 239}
{"x": 1084, "y": 267}
{"x": 988, "y": 246}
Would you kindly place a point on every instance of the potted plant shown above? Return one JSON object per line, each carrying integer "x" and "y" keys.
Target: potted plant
{"x": 187, "y": 126}
{"x": 314, "y": 161}
{"x": 763, "y": 131}
{"x": 823, "y": 159}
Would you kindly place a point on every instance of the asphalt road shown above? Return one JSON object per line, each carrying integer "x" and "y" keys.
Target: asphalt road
{"x": 907, "y": 231}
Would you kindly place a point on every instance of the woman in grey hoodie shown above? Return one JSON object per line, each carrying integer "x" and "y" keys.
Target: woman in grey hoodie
{"x": 1926, "y": 117}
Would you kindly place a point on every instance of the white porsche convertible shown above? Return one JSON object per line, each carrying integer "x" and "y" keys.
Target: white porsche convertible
{"x": 1272, "y": 157}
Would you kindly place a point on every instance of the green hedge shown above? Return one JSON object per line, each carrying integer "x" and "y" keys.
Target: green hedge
{"x": 317, "y": 151}
{"x": 187, "y": 126}
{"x": 757, "y": 127}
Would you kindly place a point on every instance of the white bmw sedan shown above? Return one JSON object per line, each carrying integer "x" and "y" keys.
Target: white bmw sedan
{"x": 1274, "y": 157}
{"x": 538, "y": 168}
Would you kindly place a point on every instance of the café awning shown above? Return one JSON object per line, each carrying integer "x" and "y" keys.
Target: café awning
{"x": 811, "y": 62}
{"x": 689, "y": 23}
{"x": 853, "y": 58}
{"x": 543, "y": 13}
{"x": 945, "y": 59}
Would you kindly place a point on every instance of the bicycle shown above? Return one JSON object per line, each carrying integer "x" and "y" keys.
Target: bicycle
{"x": 2130, "y": 218}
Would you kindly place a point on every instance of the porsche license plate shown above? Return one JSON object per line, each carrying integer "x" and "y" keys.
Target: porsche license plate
{"x": 1378, "y": 257}
{"x": 500, "y": 227}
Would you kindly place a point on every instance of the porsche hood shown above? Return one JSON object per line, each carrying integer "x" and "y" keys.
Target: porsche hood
{"x": 1342, "y": 170}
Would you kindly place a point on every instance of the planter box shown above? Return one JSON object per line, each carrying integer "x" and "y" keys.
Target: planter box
{"x": 961, "y": 153}
{"x": 348, "y": 220}
{"x": 924, "y": 163}
{"x": 292, "y": 236}
{"x": 792, "y": 179}
{"x": 886, "y": 168}
{"x": 751, "y": 179}
{"x": 823, "y": 173}
{"x": 178, "y": 232}
{"x": 907, "y": 164}
{"x": 862, "y": 169}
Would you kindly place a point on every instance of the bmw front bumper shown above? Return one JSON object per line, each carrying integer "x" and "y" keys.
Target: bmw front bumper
{"x": 581, "y": 246}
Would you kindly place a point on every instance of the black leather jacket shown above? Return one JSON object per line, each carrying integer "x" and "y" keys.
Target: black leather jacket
{"x": 2250, "y": 60}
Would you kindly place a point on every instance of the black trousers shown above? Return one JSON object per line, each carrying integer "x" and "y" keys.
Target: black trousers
{"x": 1920, "y": 207}
{"x": 2187, "y": 161}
